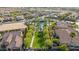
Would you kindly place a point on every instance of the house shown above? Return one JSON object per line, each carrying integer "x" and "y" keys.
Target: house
{"x": 8, "y": 19}
{"x": 1, "y": 19}
{"x": 12, "y": 41}
{"x": 61, "y": 24}
{"x": 20, "y": 17}
{"x": 12, "y": 26}
{"x": 64, "y": 35}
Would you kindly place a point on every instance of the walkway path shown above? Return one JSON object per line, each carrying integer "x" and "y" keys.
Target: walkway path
{"x": 32, "y": 40}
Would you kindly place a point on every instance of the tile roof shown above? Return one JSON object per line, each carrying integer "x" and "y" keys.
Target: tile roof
{"x": 12, "y": 26}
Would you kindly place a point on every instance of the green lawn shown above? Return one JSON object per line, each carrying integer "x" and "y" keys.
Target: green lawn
{"x": 42, "y": 40}
{"x": 38, "y": 41}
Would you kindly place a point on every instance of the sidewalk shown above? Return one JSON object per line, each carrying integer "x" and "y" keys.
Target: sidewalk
{"x": 32, "y": 40}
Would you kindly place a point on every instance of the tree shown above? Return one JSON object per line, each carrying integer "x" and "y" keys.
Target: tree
{"x": 28, "y": 37}
{"x": 0, "y": 36}
{"x": 55, "y": 40}
{"x": 53, "y": 25}
{"x": 46, "y": 36}
{"x": 64, "y": 16}
{"x": 48, "y": 43}
{"x": 73, "y": 18}
{"x": 63, "y": 47}
{"x": 50, "y": 31}
{"x": 45, "y": 30}
{"x": 72, "y": 35}
{"x": 46, "y": 33}
{"x": 74, "y": 25}
{"x": 31, "y": 27}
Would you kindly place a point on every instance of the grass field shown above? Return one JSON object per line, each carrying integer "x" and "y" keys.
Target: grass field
{"x": 38, "y": 41}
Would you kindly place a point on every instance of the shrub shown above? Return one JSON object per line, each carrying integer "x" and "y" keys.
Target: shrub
{"x": 63, "y": 47}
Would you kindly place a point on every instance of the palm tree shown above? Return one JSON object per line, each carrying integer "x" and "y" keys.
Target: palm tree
{"x": 72, "y": 35}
